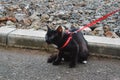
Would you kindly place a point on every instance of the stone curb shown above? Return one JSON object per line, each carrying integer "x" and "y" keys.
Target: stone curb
{"x": 104, "y": 45}
{"x": 4, "y": 32}
{"x": 26, "y": 39}
{"x": 12, "y": 37}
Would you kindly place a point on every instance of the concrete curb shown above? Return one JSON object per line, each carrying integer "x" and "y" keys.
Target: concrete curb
{"x": 104, "y": 45}
{"x": 4, "y": 32}
{"x": 27, "y": 39}
{"x": 12, "y": 37}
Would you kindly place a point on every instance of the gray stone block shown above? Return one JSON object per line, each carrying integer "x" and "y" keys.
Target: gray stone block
{"x": 27, "y": 39}
{"x": 104, "y": 49}
{"x": 4, "y": 31}
{"x": 103, "y": 45}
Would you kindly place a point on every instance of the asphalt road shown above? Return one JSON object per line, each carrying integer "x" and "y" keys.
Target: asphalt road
{"x": 25, "y": 64}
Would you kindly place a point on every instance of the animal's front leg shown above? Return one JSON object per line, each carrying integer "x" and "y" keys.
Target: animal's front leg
{"x": 58, "y": 59}
{"x": 74, "y": 56}
{"x": 73, "y": 60}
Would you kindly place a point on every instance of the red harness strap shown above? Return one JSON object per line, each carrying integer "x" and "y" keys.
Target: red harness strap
{"x": 88, "y": 25}
{"x": 68, "y": 40}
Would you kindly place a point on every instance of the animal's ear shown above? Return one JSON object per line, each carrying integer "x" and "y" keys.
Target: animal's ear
{"x": 59, "y": 29}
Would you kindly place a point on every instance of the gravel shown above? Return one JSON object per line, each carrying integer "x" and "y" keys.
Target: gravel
{"x": 37, "y": 14}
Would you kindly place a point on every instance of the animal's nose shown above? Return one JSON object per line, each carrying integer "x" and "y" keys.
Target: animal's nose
{"x": 46, "y": 39}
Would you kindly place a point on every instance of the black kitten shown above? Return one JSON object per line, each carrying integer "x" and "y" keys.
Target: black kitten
{"x": 76, "y": 49}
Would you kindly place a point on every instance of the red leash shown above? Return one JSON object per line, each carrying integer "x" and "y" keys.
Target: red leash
{"x": 89, "y": 25}
{"x": 98, "y": 20}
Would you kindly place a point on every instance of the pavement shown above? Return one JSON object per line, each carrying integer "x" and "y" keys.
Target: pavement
{"x": 27, "y": 64}
{"x": 35, "y": 39}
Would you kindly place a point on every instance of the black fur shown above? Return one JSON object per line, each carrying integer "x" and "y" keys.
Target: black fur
{"x": 75, "y": 51}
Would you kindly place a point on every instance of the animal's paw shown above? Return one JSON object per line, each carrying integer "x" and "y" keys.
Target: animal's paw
{"x": 56, "y": 63}
{"x": 71, "y": 65}
{"x": 49, "y": 60}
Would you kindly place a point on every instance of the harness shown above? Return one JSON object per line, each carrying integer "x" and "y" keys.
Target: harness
{"x": 87, "y": 25}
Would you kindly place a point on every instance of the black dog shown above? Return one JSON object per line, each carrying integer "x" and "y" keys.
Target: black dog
{"x": 75, "y": 51}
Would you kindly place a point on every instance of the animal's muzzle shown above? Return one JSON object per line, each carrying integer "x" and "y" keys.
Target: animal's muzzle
{"x": 47, "y": 40}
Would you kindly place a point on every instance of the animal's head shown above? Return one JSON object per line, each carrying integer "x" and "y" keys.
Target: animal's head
{"x": 54, "y": 36}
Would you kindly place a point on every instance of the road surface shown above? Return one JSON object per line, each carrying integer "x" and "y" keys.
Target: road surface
{"x": 26, "y": 64}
